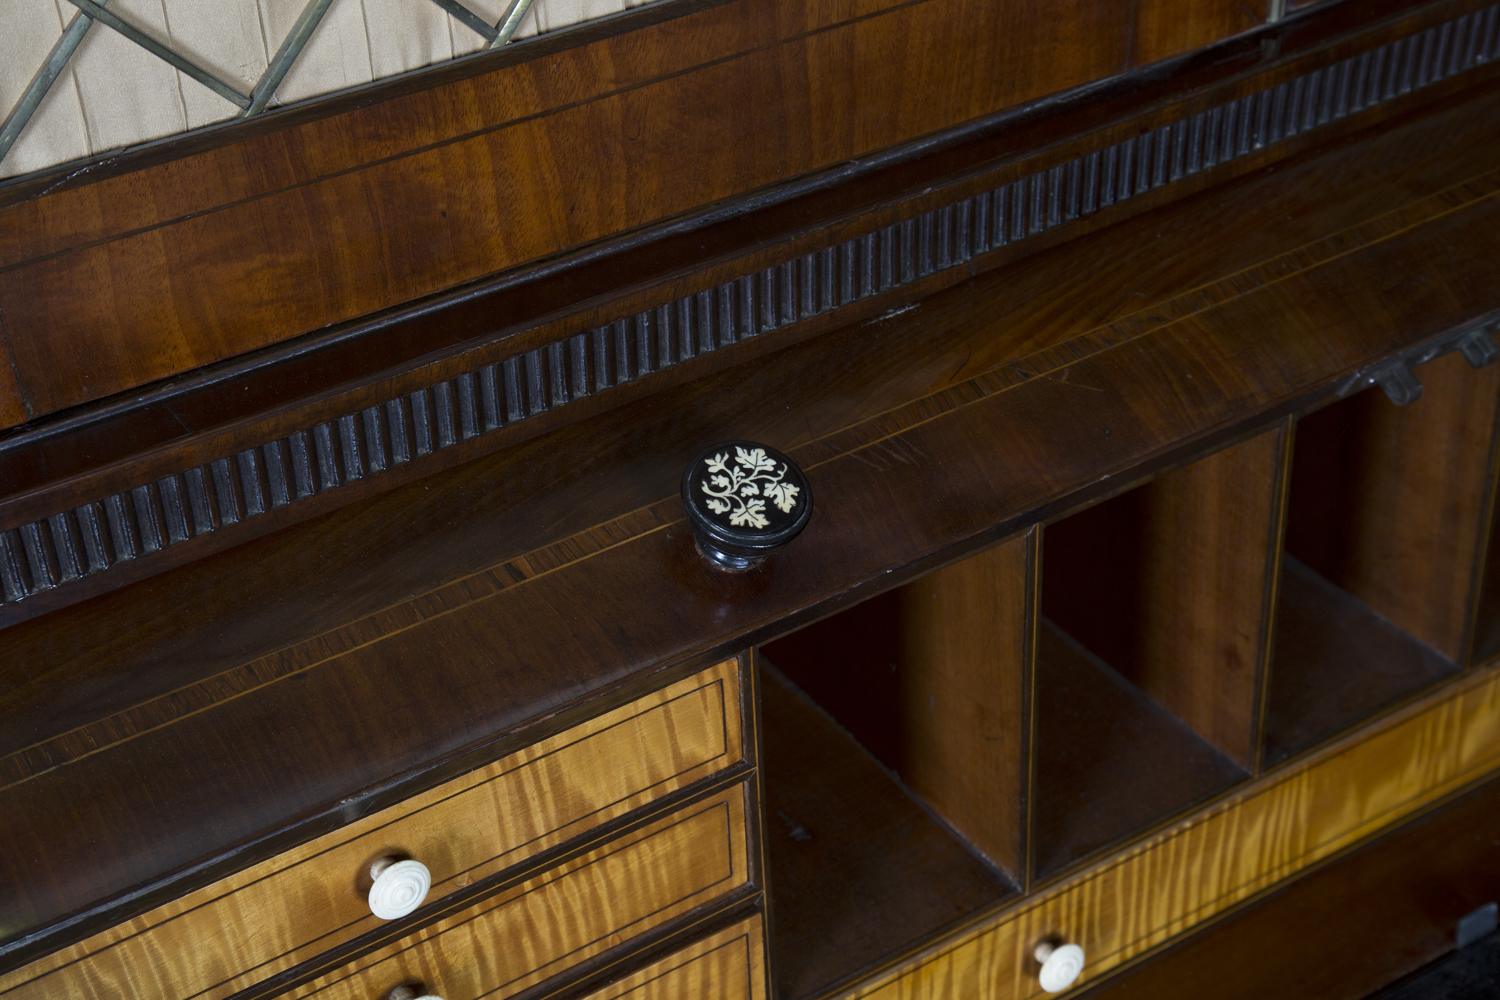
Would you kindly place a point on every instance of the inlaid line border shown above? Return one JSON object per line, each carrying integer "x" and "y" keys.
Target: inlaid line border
{"x": 91, "y": 539}
{"x": 199, "y": 696}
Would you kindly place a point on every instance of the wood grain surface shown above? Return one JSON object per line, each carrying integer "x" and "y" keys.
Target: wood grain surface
{"x": 1165, "y": 28}
{"x": 1286, "y": 822}
{"x": 1336, "y": 662}
{"x": 12, "y": 403}
{"x": 1396, "y": 903}
{"x": 1168, "y": 584}
{"x": 726, "y": 965}
{"x": 857, "y": 868}
{"x": 966, "y": 696}
{"x": 270, "y": 917}
{"x": 103, "y": 450}
{"x": 933, "y": 678}
{"x": 544, "y": 926}
{"x": 216, "y": 284}
{"x": 490, "y": 190}
{"x": 1390, "y": 503}
{"x": 1111, "y": 764}
{"x": 180, "y": 412}
{"x": 560, "y": 571}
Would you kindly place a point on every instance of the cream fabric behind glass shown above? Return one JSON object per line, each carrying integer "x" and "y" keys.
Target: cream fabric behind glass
{"x": 115, "y": 93}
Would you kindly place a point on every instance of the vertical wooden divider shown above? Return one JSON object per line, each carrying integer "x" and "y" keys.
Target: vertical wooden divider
{"x": 1171, "y": 584}
{"x": 967, "y": 641}
{"x": 1210, "y": 529}
{"x": 1390, "y": 503}
{"x": 1275, "y": 548}
{"x": 934, "y": 679}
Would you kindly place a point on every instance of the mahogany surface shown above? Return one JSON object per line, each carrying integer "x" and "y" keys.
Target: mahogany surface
{"x": 1110, "y": 761}
{"x": 320, "y": 194}
{"x": 532, "y": 159}
{"x": 1388, "y": 502}
{"x": 1336, "y": 662}
{"x": 214, "y": 704}
{"x": 1169, "y": 585}
{"x": 934, "y": 680}
{"x": 859, "y": 868}
{"x": 513, "y": 575}
{"x": 275, "y": 400}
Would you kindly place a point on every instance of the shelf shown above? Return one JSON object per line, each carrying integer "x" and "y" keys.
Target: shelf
{"x": 1336, "y": 663}
{"x": 1111, "y": 762}
{"x": 858, "y": 869}
{"x": 1385, "y": 513}
{"x": 1389, "y": 502}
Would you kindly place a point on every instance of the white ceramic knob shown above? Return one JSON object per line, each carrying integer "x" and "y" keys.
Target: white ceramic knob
{"x": 400, "y": 887}
{"x": 1060, "y": 965}
{"x": 407, "y": 993}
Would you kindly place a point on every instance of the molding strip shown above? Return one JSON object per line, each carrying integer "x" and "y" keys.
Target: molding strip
{"x": 521, "y": 570}
{"x": 73, "y": 544}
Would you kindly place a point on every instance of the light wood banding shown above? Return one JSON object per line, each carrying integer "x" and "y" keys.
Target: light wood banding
{"x": 268, "y": 918}
{"x": 541, "y": 927}
{"x": 1283, "y": 824}
{"x": 727, "y": 965}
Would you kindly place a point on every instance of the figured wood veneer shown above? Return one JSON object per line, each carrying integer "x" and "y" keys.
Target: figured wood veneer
{"x": 934, "y": 679}
{"x": 541, "y": 927}
{"x": 263, "y": 920}
{"x": 950, "y": 415}
{"x": 726, "y": 965}
{"x": 1169, "y": 585}
{"x": 1389, "y": 502}
{"x": 857, "y": 867}
{"x": 189, "y": 264}
{"x": 1395, "y": 903}
{"x": 1284, "y": 823}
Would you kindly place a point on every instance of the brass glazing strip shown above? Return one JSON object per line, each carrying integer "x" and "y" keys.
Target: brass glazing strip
{"x": 10, "y": 131}
{"x": 469, "y": 18}
{"x": 224, "y": 90}
{"x": 290, "y": 49}
{"x": 510, "y": 22}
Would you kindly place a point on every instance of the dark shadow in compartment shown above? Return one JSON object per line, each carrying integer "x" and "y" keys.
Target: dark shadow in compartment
{"x": 1487, "y": 619}
{"x": 1389, "y": 502}
{"x": 1384, "y": 518}
{"x": 858, "y": 869}
{"x": 1148, "y": 654}
{"x": 1111, "y": 762}
{"x": 1336, "y": 663}
{"x": 1093, "y": 584}
{"x": 849, "y": 666}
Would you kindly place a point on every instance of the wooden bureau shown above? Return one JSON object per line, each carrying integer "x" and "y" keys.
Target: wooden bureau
{"x": 301, "y": 903}
{"x": 1137, "y": 358}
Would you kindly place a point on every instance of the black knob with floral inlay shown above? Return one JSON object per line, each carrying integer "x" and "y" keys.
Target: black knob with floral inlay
{"x": 744, "y": 501}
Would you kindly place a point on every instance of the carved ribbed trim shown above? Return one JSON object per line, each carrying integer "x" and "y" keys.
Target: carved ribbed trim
{"x": 72, "y": 544}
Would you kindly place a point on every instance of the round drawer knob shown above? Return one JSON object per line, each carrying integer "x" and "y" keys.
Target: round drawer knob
{"x": 400, "y": 887}
{"x": 745, "y": 501}
{"x": 410, "y": 993}
{"x": 1061, "y": 965}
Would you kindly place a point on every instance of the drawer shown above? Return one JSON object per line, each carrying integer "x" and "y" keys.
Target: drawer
{"x": 727, "y": 965}
{"x": 1202, "y": 866}
{"x": 244, "y": 928}
{"x": 565, "y": 916}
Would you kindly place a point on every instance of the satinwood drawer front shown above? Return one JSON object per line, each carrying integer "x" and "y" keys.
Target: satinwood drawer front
{"x": 543, "y": 926}
{"x": 1196, "y": 869}
{"x": 242, "y": 929}
{"x": 727, "y": 965}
